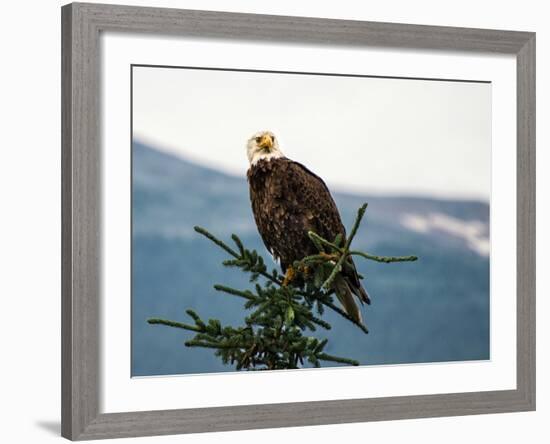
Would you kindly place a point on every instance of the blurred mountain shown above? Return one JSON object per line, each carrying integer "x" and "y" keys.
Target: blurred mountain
{"x": 433, "y": 310}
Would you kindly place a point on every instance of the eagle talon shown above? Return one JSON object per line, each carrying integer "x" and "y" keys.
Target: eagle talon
{"x": 302, "y": 269}
{"x": 289, "y": 276}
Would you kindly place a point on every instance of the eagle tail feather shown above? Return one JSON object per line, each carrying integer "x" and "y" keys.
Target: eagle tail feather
{"x": 361, "y": 293}
{"x": 344, "y": 293}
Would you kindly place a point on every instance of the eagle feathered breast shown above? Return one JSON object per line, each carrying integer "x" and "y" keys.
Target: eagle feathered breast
{"x": 288, "y": 201}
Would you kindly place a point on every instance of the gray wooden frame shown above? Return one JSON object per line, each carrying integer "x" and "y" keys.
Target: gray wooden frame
{"x": 81, "y": 235}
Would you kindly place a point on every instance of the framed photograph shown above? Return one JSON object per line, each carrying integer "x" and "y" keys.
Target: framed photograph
{"x": 276, "y": 221}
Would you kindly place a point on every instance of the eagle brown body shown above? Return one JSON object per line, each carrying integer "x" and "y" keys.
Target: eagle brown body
{"x": 288, "y": 201}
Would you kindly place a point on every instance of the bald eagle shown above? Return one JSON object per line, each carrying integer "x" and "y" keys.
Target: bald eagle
{"x": 288, "y": 201}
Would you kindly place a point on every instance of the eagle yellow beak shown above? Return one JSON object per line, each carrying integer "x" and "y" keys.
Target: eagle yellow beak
{"x": 266, "y": 142}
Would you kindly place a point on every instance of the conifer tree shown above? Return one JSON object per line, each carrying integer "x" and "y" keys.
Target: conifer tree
{"x": 282, "y": 315}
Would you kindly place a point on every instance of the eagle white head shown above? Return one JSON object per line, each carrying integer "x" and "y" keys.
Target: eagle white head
{"x": 263, "y": 145}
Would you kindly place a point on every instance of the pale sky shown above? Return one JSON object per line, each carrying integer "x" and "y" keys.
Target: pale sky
{"x": 390, "y": 136}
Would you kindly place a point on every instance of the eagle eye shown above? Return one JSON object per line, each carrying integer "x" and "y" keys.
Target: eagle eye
{"x": 258, "y": 139}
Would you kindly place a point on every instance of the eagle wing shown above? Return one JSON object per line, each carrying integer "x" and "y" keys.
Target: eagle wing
{"x": 314, "y": 203}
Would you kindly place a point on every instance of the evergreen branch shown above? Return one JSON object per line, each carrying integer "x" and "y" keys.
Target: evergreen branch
{"x": 271, "y": 278}
{"x": 241, "y": 259}
{"x": 360, "y": 214}
{"x": 195, "y": 317}
{"x": 243, "y": 294}
{"x": 238, "y": 243}
{"x": 314, "y": 258}
{"x": 193, "y": 343}
{"x": 323, "y": 299}
{"x": 338, "y": 267}
{"x": 316, "y": 238}
{"x": 320, "y": 322}
{"x": 174, "y": 324}
{"x": 345, "y": 315}
{"x": 327, "y": 357}
{"x": 217, "y": 241}
{"x": 384, "y": 259}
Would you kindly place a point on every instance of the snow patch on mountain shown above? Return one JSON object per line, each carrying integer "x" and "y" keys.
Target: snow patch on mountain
{"x": 474, "y": 232}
